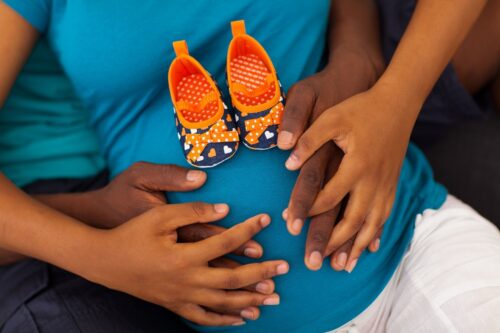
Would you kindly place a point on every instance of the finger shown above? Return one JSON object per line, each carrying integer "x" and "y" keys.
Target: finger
{"x": 237, "y": 299}
{"x": 298, "y": 108}
{"x": 354, "y": 216}
{"x": 264, "y": 287}
{"x": 201, "y": 316}
{"x": 250, "y": 313}
{"x": 319, "y": 132}
{"x": 198, "y": 232}
{"x": 338, "y": 260}
{"x": 242, "y": 276}
{"x": 165, "y": 177}
{"x": 375, "y": 243}
{"x": 174, "y": 216}
{"x": 231, "y": 239}
{"x": 318, "y": 235}
{"x": 372, "y": 225}
{"x": 306, "y": 189}
{"x": 338, "y": 187}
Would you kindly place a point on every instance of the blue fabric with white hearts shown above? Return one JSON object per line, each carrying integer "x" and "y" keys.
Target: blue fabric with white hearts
{"x": 269, "y": 137}
{"x": 121, "y": 77}
{"x": 215, "y": 152}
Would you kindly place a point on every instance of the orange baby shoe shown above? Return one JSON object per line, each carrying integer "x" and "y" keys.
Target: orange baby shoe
{"x": 205, "y": 127}
{"x": 256, "y": 93}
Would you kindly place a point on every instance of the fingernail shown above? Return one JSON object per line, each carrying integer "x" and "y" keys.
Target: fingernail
{"x": 247, "y": 314}
{"x": 285, "y": 139}
{"x": 221, "y": 208}
{"x": 376, "y": 245}
{"x": 194, "y": 175}
{"x": 272, "y": 300}
{"x": 297, "y": 226}
{"x": 251, "y": 252}
{"x": 351, "y": 266}
{"x": 239, "y": 323}
{"x": 265, "y": 220}
{"x": 284, "y": 215}
{"x": 341, "y": 259}
{"x": 282, "y": 269}
{"x": 292, "y": 162}
{"x": 263, "y": 287}
{"x": 316, "y": 259}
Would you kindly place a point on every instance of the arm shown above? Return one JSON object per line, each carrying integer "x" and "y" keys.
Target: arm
{"x": 355, "y": 63}
{"x": 373, "y": 128}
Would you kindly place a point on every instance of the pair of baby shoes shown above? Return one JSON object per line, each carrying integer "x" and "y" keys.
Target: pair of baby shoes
{"x": 209, "y": 131}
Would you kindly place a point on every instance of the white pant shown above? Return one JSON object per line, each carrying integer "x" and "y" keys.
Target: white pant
{"x": 448, "y": 281}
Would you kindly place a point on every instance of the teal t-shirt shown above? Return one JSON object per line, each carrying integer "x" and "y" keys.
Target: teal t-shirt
{"x": 117, "y": 55}
{"x": 44, "y": 130}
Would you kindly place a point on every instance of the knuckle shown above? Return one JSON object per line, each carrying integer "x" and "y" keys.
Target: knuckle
{"x": 226, "y": 245}
{"x": 232, "y": 281}
{"x": 199, "y": 209}
{"x": 319, "y": 237}
{"x": 136, "y": 171}
{"x": 355, "y": 222}
{"x": 268, "y": 272}
{"x": 305, "y": 143}
{"x": 311, "y": 177}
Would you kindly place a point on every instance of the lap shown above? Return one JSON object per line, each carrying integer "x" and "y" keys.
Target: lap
{"x": 52, "y": 300}
{"x": 450, "y": 278}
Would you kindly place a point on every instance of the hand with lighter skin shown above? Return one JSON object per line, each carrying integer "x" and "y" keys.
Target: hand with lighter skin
{"x": 373, "y": 127}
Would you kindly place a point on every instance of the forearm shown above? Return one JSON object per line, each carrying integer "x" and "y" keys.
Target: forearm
{"x": 435, "y": 32}
{"x": 34, "y": 230}
{"x": 354, "y": 27}
{"x": 81, "y": 206}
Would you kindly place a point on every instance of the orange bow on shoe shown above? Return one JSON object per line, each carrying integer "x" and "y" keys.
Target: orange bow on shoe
{"x": 255, "y": 127}
{"x": 217, "y": 133}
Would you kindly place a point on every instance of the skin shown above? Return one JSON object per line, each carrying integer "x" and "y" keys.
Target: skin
{"x": 355, "y": 64}
{"x": 353, "y": 45}
{"x": 145, "y": 250}
{"x": 372, "y": 159}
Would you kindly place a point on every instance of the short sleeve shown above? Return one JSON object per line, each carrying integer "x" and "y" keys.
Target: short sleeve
{"x": 36, "y": 12}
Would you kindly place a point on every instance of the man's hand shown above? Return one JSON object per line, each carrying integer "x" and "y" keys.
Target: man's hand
{"x": 351, "y": 71}
{"x": 144, "y": 258}
{"x": 373, "y": 133}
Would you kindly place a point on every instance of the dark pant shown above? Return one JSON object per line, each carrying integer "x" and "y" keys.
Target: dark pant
{"x": 38, "y": 297}
{"x": 467, "y": 162}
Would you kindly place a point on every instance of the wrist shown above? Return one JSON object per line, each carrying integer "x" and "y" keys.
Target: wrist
{"x": 401, "y": 107}
{"x": 353, "y": 56}
{"x": 371, "y": 62}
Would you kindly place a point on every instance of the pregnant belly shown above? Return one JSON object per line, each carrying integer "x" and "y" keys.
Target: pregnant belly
{"x": 254, "y": 182}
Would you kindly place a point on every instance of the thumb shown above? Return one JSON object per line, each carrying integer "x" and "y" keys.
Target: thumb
{"x": 166, "y": 177}
{"x": 299, "y": 105}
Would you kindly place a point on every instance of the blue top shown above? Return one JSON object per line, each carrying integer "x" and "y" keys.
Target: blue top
{"x": 44, "y": 129}
{"x": 117, "y": 54}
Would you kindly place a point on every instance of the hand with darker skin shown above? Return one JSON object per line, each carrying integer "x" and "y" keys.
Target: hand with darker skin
{"x": 133, "y": 192}
{"x": 349, "y": 73}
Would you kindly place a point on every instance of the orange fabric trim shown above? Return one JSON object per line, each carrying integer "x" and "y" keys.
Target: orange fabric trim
{"x": 176, "y": 71}
{"x": 238, "y": 28}
{"x": 261, "y": 52}
{"x": 180, "y": 47}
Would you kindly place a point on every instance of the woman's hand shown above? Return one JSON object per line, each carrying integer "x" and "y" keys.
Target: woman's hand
{"x": 144, "y": 258}
{"x": 136, "y": 190}
{"x": 373, "y": 130}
